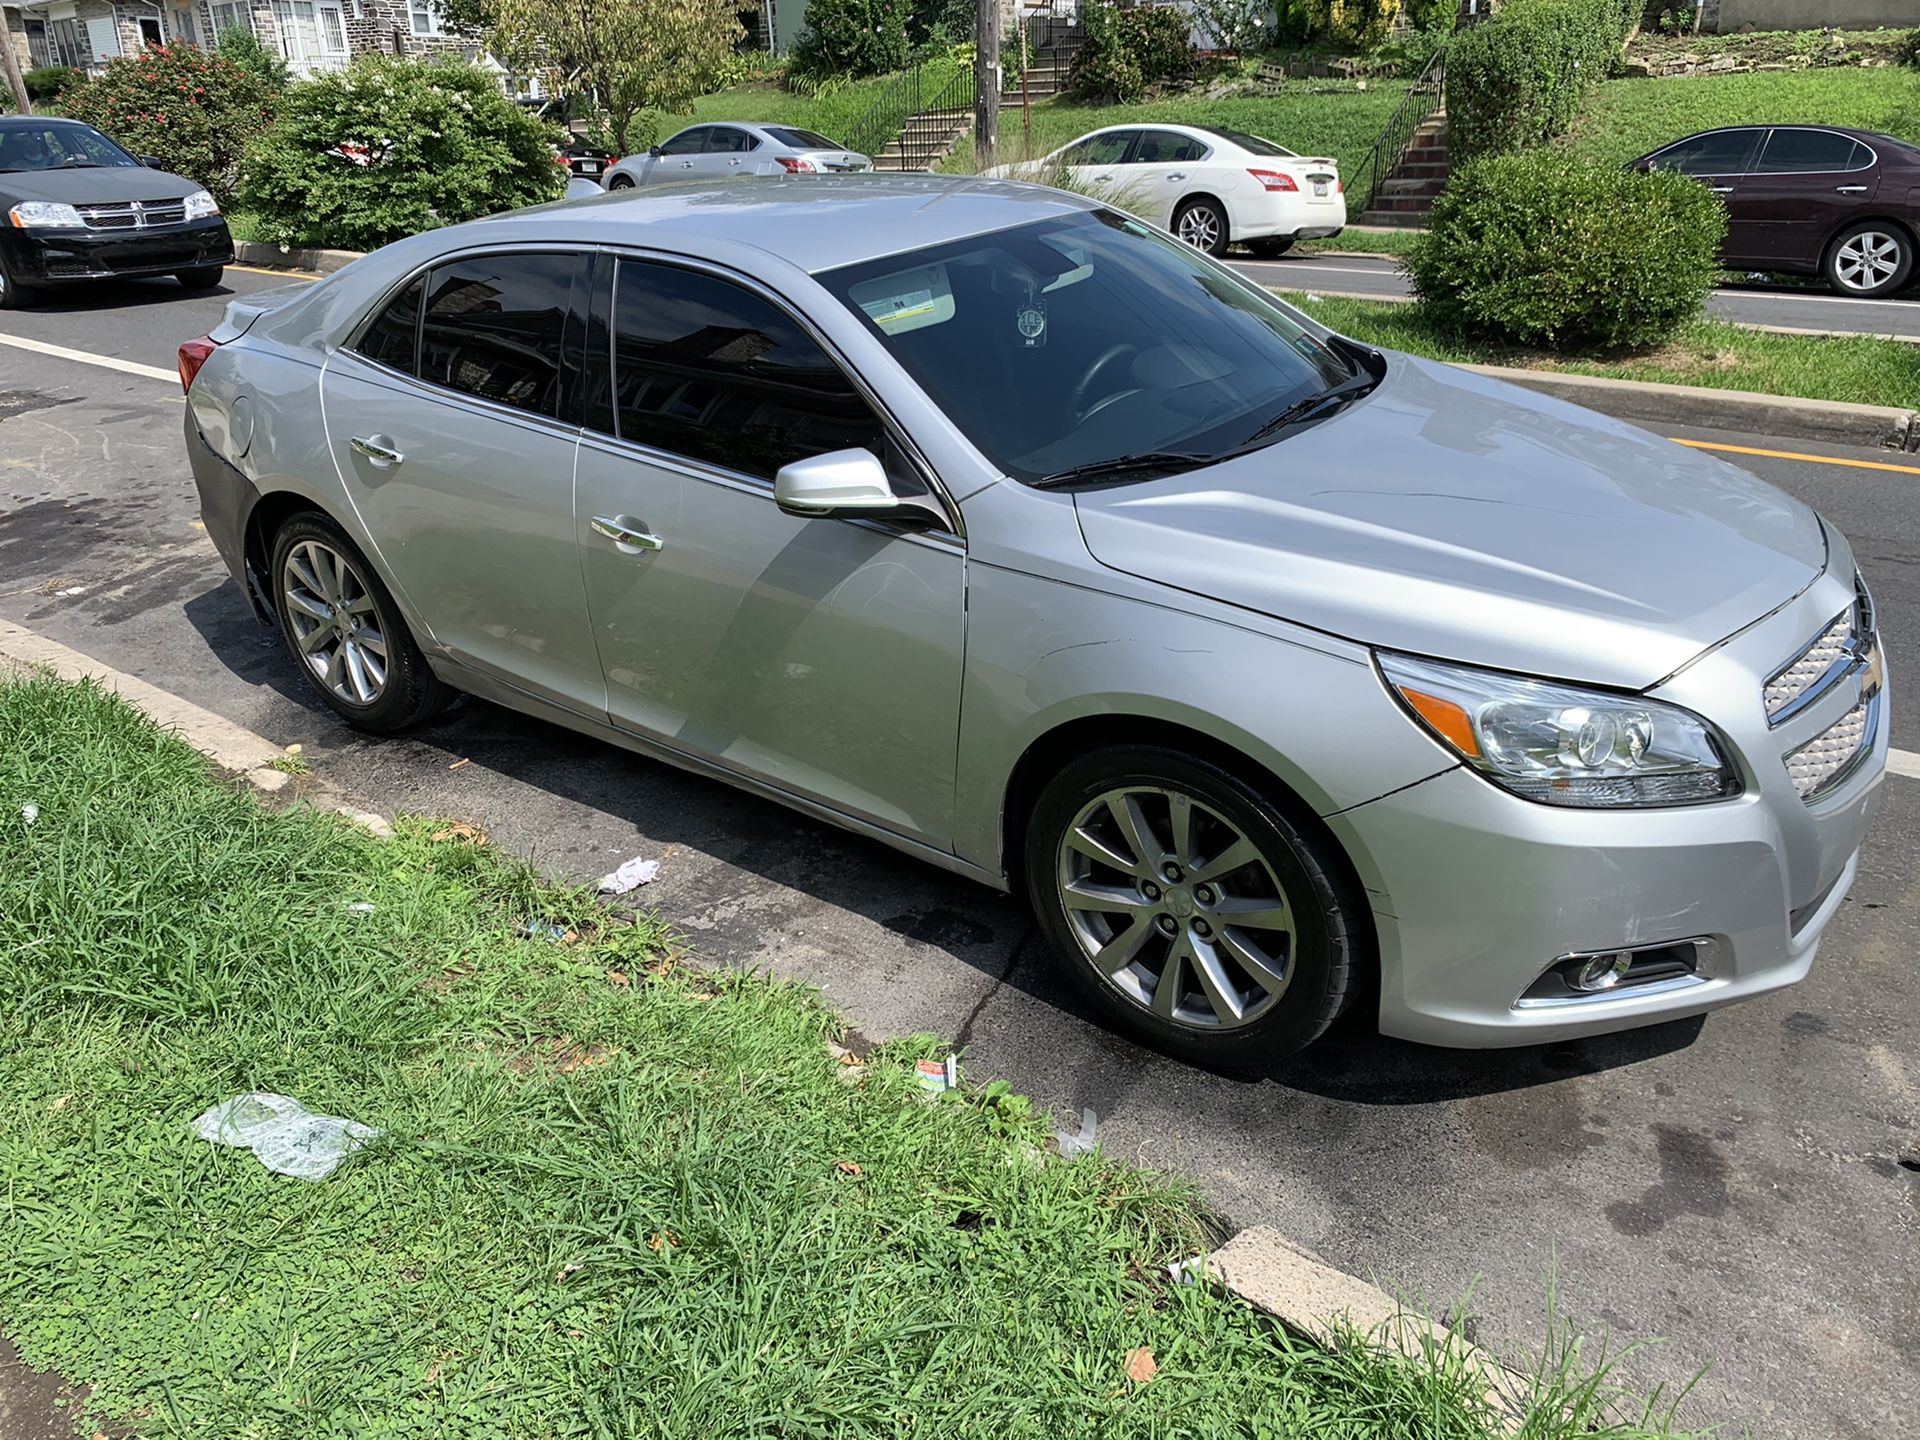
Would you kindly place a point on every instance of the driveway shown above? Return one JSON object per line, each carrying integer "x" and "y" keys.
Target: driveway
{"x": 1734, "y": 1185}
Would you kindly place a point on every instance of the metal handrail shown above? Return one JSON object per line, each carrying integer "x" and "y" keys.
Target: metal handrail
{"x": 956, "y": 94}
{"x": 881, "y": 121}
{"x": 1424, "y": 100}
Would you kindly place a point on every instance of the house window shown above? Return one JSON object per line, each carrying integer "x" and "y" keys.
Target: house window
{"x": 184, "y": 29}
{"x": 150, "y": 32}
{"x": 422, "y": 18}
{"x": 39, "y": 46}
{"x": 333, "y": 30}
{"x": 66, "y": 44}
{"x": 228, "y": 15}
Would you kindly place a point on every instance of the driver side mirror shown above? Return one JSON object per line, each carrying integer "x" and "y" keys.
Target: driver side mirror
{"x": 842, "y": 485}
{"x": 655, "y": 151}
{"x": 152, "y": 162}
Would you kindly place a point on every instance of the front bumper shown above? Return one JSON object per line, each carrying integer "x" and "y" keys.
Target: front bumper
{"x": 48, "y": 256}
{"x": 1476, "y": 892}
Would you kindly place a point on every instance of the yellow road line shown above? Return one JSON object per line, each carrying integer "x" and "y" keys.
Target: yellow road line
{"x": 1796, "y": 455}
{"x": 283, "y": 274}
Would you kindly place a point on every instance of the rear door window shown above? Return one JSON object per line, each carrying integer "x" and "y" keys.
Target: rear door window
{"x": 1164, "y": 147}
{"x": 726, "y": 140}
{"x": 1791, "y": 151}
{"x": 494, "y": 328}
{"x": 392, "y": 338}
{"x": 1724, "y": 152}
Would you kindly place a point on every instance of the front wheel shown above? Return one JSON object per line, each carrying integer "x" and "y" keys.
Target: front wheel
{"x": 1192, "y": 909}
{"x": 13, "y": 295}
{"x": 620, "y": 182}
{"x": 1873, "y": 258}
{"x": 1203, "y": 225}
{"x": 202, "y": 277}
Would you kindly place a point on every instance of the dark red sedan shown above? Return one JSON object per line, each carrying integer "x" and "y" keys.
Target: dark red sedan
{"x": 1810, "y": 199}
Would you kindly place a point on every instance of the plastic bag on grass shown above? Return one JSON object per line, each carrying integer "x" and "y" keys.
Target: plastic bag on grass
{"x": 283, "y": 1134}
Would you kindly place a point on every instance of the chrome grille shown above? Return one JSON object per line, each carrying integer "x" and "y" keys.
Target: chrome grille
{"x": 133, "y": 214}
{"x": 1823, "y": 761}
{"x": 1811, "y": 670}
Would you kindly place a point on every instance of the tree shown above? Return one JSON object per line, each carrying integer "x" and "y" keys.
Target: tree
{"x": 634, "y": 55}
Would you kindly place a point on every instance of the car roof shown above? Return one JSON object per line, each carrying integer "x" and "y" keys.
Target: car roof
{"x": 39, "y": 122}
{"x": 815, "y": 222}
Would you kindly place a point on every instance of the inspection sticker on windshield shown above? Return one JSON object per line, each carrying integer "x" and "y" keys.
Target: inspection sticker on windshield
{"x": 907, "y": 300}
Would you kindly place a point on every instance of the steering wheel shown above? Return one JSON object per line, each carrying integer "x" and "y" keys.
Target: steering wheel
{"x": 1077, "y": 401}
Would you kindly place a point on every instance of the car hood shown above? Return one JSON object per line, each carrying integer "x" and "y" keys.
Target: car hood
{"x": 1455, "y": 516}
{"x": 93, "y": 185}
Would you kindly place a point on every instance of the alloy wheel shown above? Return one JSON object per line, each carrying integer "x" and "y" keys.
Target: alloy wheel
{"x": 1867, "y": 260}
{"x": 336, "y": 627}
{"x": 1200, "y": 228}
{"x": 1176, "y": 907}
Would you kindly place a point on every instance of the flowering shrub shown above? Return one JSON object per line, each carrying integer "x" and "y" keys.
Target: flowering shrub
{"x": 391, "y": 147}
{"x": 194, "y": 110}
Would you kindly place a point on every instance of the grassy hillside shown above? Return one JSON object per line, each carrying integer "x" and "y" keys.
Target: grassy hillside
{"x": 1627, "y": 118}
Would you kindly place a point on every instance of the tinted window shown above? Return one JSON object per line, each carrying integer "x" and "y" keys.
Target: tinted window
{"x": 389, "y": 339}
{"x": 1808, "y": 150}
{"x": 725, "y": 140}
{"x": 493, "y": 328}
{"x": 1725, "y": 152}
{"x": 1252, "y": 144}
{"x": 687, "y": 142}
{"x": 803, "y": 139}
{"x": 705, "y": 369}
{"x": 1107, "y": 149}
{"x": 1163, "y": 147}
{"x": 58, "y": 147}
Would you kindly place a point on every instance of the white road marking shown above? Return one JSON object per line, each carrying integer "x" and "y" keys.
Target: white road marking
{"x": 1904, "y": 762}
{"x": 105, "y": 362}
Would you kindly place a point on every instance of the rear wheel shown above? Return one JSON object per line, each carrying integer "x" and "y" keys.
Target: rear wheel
{"x": 203, "y": 277}
{"x": 345, "y": 632}
{"x": 1872, "y": 258}
{"x": 1192, "y": 909}
{"x": 1203, "y": 225}
{"x": 1268, "y": 247}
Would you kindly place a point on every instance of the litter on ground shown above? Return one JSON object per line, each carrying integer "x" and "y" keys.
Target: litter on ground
{"x": 283, "y": 1134}
{"x": 1085, "y": 1142}
{"x": 938, "y": 1076}
{"x": 29, "y": 812}
{"x": 630, "y": 876}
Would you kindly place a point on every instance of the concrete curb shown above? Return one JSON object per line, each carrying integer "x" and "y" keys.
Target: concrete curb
{"x": 280, "y": 257}
{"x": 1835, "y": 422}
{"x": 234, "y": 748}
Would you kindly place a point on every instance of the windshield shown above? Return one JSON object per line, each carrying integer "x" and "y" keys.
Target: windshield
{"x": 1252, "y": 144}
{"x": 802, "y": 139}
{"x": 57, "y": 147}
{"x": 1076, "y": 342}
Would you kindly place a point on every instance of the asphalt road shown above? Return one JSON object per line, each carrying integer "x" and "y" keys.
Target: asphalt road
{"x": 1797, "y": 307}
{"x": 1733, "y": 1185}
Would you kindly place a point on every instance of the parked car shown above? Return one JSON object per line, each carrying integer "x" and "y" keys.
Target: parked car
{"x": 586, "y": 161}
{"x": 78, "y": 207}
{"x": 1212, "y": 188}
{"x": 703, "y": 152}
{"x": 1810, "y": 200}
{"x": 985, "y": 521}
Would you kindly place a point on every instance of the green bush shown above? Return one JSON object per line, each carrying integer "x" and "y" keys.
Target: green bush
{"x": 391, "y": 147}
{"x": 243, "y": 47}
{"x": 49, "y": 82}
{"x": 1353, "y": 25}
{"x": 1517, "y": 79}
{"x": 851, "y": 38}
{"x": 1129, "y": 52}
{"x": 194, "y": 110}
{"x": 1541, "y": 249}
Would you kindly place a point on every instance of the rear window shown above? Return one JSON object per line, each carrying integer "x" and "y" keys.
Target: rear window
{"x": 389, "y": 340}
{"x": 803, "y": 139}
{"x": 1252, "y": 144}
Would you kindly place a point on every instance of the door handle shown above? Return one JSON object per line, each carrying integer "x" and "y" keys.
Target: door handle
{"x": 376, "y": 449}
{"x": 1849, "y": 189}
{"x": 734, "y": 161}
{"x": 1177, "y": 175}
{"x": 686, "y": 164}
{"x": 621, "y": 533}
{"x": 1721, "y": 189}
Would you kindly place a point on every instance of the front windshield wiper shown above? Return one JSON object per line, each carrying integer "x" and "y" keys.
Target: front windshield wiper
{"x": 78, "y": 162}
{"x": 1320, "y": 402}
{"x": 1167, "y": 462}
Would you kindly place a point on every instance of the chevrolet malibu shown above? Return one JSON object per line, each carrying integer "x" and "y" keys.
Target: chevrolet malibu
{"x": 1281, "y": 674}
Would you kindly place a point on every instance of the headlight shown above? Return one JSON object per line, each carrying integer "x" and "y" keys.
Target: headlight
{"x": 200, "y": 205}
{"x": 29, "y": 214}
{"x": 1562, "y": 745}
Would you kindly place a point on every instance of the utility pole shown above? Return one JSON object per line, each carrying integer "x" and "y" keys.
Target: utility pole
{"x": 10, "y": 60}
{"x": 986, "y": 82}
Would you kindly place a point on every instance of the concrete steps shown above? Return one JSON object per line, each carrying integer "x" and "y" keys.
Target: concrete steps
{"x": 1405, "y": 198}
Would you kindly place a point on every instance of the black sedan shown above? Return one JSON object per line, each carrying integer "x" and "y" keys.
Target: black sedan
{"x": 1810, "y": 199}
{"x": 75, "y": 206}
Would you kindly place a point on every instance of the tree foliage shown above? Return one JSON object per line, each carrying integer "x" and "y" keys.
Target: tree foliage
{"x": 636, "y": 55}
{"x": 194, "y": 110}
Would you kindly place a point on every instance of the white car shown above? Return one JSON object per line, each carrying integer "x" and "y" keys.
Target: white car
{"x": 1212, "y": 188}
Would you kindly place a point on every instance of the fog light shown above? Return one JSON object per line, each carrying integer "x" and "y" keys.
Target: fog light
{"x": 1602, "y": 972}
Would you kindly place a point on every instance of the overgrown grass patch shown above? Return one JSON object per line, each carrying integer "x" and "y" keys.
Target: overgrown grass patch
{"x": 1713, "y": 353}
{"x": 614, "y": 1196}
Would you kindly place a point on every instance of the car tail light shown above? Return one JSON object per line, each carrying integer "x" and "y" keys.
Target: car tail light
{"x": 1273, "y": 179}
{"x": 795, "y": 164}
{"x": 1339, "y": 186}
{"x": 193, "y": 355}
{"x": 561, "y": 160}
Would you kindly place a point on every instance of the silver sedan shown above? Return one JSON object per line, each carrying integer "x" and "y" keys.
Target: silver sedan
{"x": 1281, "y": 674}
{"x": 712, "y": 152}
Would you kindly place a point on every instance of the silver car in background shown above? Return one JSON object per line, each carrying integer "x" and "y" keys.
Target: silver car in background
{"x": 711, "y": 152}
{"x": 1280, "y": 674}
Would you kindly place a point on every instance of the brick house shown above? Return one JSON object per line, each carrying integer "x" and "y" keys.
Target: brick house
{"x": 313, "y": 35}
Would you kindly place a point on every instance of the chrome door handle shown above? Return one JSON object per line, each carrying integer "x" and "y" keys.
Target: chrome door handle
{"x": 1177, "y": 175}
{"x": 1849, "y": 189}
{"x": 624, "y": 534}
{"x": 376, "y": 449}
{"x": 734, "y": 161}
{"x": 1721, "y": 189}
{"x": 686, "y": 164}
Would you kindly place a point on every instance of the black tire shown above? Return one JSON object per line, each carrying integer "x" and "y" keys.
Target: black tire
{"x": 1270, "y": 247}
{"x": 1329, "y": 949}
{"x": 620, "y": 182}
{"x": 204, "y": 277}
{"x": 410, "y": 692}
{"x": 1196, "y": 213}
{"x": 13, "y": 295}
{"x": 1850, "y": 268}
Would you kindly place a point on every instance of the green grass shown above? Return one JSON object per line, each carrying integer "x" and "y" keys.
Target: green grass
{"x": 1708, "y": 352}
{"x": 610, "y": 1199}
{"x": 1624, "y": 119}
{"x": 1366, "y": 242}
